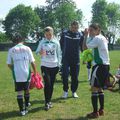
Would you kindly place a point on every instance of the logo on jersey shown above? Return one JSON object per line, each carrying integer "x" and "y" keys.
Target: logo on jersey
{"x": 50, "y": 52}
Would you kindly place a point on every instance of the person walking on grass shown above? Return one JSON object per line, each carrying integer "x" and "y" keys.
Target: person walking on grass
{"x": 49, "y": 50}
{"x": 71, "y": 43}
{"x": 100, "y": 69}
{"x": 19, "y": 59}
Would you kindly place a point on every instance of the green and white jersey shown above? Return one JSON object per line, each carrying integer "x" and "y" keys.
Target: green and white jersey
{"x": 20, "y": 56}
{"x": 99, "y": 44}
{"x": 52, "y": 52}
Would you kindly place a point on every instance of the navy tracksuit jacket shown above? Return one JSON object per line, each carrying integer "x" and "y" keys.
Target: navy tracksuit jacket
{"x": 71, "y": 44}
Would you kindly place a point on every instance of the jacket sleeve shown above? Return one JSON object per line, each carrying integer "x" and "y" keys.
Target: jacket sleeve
{"x": 81, "y": 41}
{"x": 59, "y": 54}
{"x": 39, "y": 47}
{"x": 62, "y": 40}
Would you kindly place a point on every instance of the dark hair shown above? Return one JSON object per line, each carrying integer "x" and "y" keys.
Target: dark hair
{"x": 95, "y": 26}
{"x": 16, "y": 38}
{"x": 74, "y": 23}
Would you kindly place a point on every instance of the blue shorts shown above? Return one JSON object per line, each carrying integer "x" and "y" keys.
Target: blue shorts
{"x": 19, "y": 86}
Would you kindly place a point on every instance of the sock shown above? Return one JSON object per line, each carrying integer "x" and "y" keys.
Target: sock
{"x": 89, "y": 74}
{"x": 26, "y": 97}
{"x": 101, "y": 100}
{"x": 94, "y": 99}
{"x": 20, "y": 102}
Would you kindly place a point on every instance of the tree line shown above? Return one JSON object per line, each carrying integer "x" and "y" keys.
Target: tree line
{"x": 58, "y": 14}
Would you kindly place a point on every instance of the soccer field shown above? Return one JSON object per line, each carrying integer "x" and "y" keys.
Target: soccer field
{"x": 69, "y": 109}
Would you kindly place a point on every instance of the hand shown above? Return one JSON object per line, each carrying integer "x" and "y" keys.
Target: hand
{"x": 86, "y": 32}
{"x": 43, "y": 52}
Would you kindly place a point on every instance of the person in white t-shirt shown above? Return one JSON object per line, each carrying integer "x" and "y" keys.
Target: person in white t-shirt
{"x": 19, "y": 59}
{"x": 100, "y": 69}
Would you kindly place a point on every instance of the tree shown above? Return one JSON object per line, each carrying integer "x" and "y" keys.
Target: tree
{"x": 66, "y": 13}
{"x": 3, "y": 37}
{"x": 47, "y": 16}
{"x": 20, "y": 19}
{"x": 99, "y": 13}
{"x": 1, "y": 21}
{"x": 58, "y": 14}
{"x": 113, "y": 13}
{"x": 118, "y": 41}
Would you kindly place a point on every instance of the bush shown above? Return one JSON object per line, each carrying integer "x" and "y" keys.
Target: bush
{"x": 118, "y": 41}
{"x": 3, "y": 37}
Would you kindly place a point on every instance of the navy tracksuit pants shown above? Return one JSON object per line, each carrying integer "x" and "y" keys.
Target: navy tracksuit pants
{"x": 73, "y": 71}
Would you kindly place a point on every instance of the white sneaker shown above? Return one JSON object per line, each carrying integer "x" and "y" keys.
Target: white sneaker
{"x": 65, "y": 95}
{"x": 29, "y": 104}
{"x": 75, "y": 95}
{"x": 26, "y": 110}
{"x": 22, "y": 113}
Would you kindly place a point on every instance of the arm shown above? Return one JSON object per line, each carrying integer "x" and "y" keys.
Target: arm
{"x": 32, "y": 61}
{"x": 62, "y": 41}
{"x": 10, "y": 66}
{"x": 85, "y": 39}
{"x": 38, "y": 48}
{"x": 59, "y": 54}
{"x": 81, "y": 42}
{"x": 34, "y": 67}
{"x": 9, "y": 60}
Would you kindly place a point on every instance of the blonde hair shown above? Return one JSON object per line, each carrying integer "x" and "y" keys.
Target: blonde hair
{"x": 49, "y": 29}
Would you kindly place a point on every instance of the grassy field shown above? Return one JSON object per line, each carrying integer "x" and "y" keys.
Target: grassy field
{"x": 69, "y": 109}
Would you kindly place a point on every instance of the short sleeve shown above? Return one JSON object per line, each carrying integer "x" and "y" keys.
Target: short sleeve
{"x": 93, "y": 43}
{"x": 9, "y": 57}
{"x": 31, "y": 57}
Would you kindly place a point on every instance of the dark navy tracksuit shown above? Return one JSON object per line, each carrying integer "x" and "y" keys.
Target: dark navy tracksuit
{"x": 71, "y": 43}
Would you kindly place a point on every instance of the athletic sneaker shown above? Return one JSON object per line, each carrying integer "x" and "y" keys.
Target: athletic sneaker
{"x": 22, "y": 112}
{"x": 65, "y": 95}
{"x": 93, "y": 115}
{"x": 101, "y": 112}
{"x": 50, "y": 105}
{"x": 29, "y": 104}
{"x": 75, "y": 95}
{"x": 47, "y": 107}
{"x": 26, "y": 110}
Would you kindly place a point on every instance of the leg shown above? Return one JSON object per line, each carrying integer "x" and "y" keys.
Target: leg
{"x": 26, "y": 94}
{"x": 94, "y": 101}
{"x": 20, "y": 100}
{"x": 53, "y": 73}
{"x": 74, "y": 71}
{"x": 27, "y": 98}
{"x": 65, "y": 74}
{"x": 19, "y": 86}
{"x": 89, "y": 71}
{"x": 101, "y": 101}
{"x": 46, "y": 77}
{"x": 102, "y": 75}
{"x": 94, "y": 93}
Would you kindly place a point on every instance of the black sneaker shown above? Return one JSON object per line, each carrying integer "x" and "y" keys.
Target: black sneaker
{"x": 47, "y": 107}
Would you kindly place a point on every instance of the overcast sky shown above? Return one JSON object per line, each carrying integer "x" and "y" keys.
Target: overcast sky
{"x": 84, "y": 5}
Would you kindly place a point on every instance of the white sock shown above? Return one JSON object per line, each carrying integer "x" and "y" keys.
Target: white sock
{"x": 89, "y": 74}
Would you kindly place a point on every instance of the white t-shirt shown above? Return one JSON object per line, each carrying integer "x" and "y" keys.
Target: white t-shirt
{"x": 99, "y": 44}
{"x": 20, "y": 56}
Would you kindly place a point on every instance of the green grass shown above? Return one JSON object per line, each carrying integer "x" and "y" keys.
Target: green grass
{"x": 70, "y": 109}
